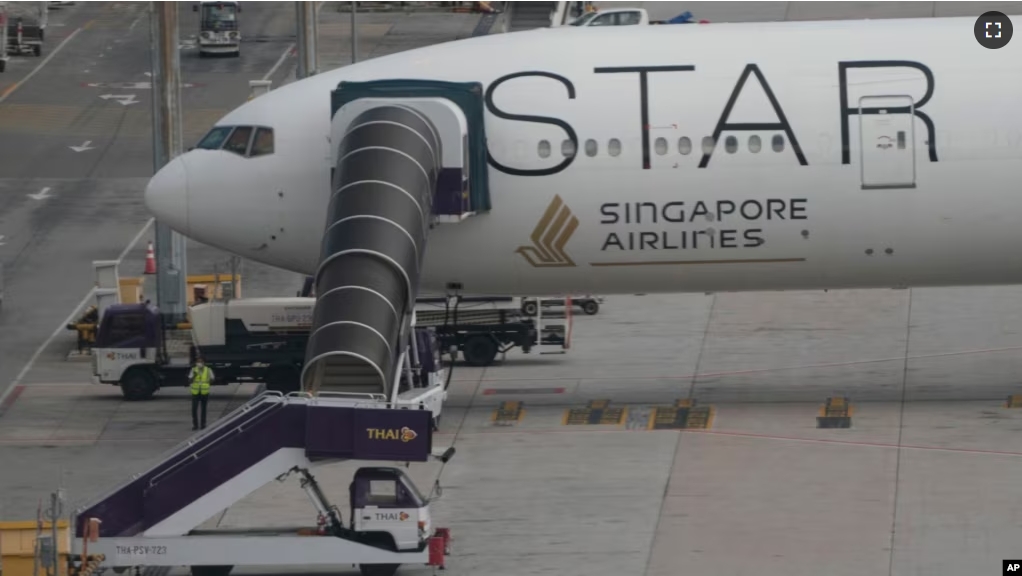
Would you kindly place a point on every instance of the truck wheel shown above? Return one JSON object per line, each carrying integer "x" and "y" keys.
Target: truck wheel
{"x": 37, "y": 50}
{"x": 480, "y": 350}
{"x": 378, "y": 569}
{"x": 138, "y": 384}
{"x": 590, "y": 307}
{"x": 211, "y": 570}
{"x": 530, "y": 308}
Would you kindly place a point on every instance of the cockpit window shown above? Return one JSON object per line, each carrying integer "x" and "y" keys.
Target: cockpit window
{"x": 215, "y": 139}
{"x": 262, "y": 145}
{"x": 238, "y": 142}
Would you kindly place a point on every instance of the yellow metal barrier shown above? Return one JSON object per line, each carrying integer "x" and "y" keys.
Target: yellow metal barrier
{"x": 17, "y": 546}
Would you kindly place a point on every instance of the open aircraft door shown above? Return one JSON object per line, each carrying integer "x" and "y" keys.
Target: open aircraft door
{"x": 886, "y": 129}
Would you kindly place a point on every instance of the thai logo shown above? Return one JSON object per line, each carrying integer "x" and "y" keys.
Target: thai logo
{"x": 404, "y": 515}
{"x": 405, "y": 434}
{"x": 549, "y": 237}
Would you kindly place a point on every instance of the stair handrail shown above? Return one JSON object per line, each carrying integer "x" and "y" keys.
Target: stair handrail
{"x": 278, "y": 404}
{"x": 178, "y": 448}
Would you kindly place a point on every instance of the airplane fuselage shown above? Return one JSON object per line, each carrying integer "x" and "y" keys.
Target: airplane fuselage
{"x": 725, "y": 157}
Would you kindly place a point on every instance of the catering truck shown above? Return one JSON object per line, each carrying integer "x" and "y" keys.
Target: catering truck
{"x": 243, "y": 340}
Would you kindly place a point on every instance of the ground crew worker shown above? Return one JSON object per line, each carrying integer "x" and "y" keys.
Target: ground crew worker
{"x": 200, "y": 376}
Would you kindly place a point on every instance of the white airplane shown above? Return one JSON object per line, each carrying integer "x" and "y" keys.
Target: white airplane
{"x": 719, "y": 157}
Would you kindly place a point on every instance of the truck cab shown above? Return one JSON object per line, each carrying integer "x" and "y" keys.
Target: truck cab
{"x": 385, "y": 502}
{"x": 128, "y": 335}
{"x": 218, "y": 28}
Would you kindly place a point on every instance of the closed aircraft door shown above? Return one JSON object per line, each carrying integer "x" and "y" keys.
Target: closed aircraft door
{"x": 887, "y": 142}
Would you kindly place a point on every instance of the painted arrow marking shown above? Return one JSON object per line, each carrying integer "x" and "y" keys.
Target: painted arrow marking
{"x": 82, "y": 147}
{"x": 122, "y": 99}
{"x": 40, "y": 195}
{"x": 2, "y": 240}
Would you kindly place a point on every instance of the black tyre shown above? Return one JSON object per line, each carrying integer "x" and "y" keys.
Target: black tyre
{"x": 138, "y": 384}
{"x": 37, "y": 50}
{"x": 479, "y": 350}
{"x": 211, "y": 570}
{"x": 3, "y": 65}
{"x": 530, "y": 307}
{"x": 378, "y": 569}
{"x": 590, "y": 307}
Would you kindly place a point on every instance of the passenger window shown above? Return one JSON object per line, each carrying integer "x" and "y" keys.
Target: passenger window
{"x": 568, "y": 148}
{"x": 544, "y": 149}
{"x": 660, "y": 145}
{"x": 238, "y": 142}
{"x": 684, "y": 145}
{"x": 628, "y": 18}
{"x": 592, "y": 147}
{"x": 707, "y": 144}
{"x": 604, "y": 20}
{"x": 614, "y": 147}
{"x": 262, "y": 145}
{"x": 215, "y": 138}
{"x": 778, "y": 143}
{"x": 754, "y": 144}
{"x": 731, "y": 144}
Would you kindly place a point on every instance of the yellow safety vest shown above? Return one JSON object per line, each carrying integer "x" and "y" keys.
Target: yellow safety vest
{"x": 200, "y": 385}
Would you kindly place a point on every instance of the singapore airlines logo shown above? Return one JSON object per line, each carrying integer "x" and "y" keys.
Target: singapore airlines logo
{"x": 549, "y": 237}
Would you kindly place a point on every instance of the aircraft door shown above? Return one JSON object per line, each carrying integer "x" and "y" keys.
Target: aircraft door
{"x": 887, "y": 142}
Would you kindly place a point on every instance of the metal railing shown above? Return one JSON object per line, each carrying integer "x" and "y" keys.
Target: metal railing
{"x": 185, "y": 444}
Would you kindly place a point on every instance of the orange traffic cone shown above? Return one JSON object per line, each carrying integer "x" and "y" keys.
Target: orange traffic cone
{"x": 150, "y": 260}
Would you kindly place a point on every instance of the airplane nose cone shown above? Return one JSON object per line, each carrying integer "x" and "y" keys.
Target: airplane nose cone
{"x": 166, "y": 195}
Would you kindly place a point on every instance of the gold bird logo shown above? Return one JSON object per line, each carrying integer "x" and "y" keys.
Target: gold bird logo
{"x": 549, "y": 237}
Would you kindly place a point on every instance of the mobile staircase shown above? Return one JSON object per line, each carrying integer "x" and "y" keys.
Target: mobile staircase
{"x": 410, "y": 155}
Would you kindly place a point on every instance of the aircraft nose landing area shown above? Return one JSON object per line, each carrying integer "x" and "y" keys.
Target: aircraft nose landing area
{"x": 166, "y": 195}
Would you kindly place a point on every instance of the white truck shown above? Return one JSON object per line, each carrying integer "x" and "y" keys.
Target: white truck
{"x": 218, "y": 28}
{"x": 627, "y": 17}
{"x": 254, "y": 339}
{"x": 244, "y": 340}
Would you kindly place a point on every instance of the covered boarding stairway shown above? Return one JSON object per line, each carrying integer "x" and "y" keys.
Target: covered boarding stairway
{"x": 410, "y": 154}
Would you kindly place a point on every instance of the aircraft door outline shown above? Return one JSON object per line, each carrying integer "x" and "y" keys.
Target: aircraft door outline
{"x": 887, "y": 142}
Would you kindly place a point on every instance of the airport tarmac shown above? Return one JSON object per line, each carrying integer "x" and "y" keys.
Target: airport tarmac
{"x": 922, "y": 482}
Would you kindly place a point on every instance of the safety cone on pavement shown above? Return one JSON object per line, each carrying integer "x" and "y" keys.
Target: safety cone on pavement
{"x": 150, "y": 260}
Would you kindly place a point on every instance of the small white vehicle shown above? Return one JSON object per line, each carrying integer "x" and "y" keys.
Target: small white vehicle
{"x": 613, "y": 17}
{"x": 218, "y": 28}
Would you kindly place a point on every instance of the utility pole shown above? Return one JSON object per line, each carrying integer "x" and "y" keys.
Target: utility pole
{"x": 305, "y": 20}
{"x": 171, "y": 269}
{"x": 354, "y": 33}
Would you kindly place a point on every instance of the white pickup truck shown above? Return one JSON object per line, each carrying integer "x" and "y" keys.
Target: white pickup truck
{"x": 627, "y": 17}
